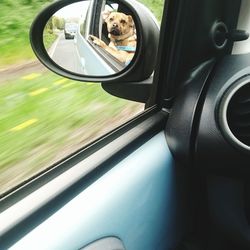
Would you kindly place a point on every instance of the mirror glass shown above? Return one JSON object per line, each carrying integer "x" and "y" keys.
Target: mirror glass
{"x": 91, "y": 38}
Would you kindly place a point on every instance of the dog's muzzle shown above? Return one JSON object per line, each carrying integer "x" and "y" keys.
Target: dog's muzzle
{"x": 115, "y": 31}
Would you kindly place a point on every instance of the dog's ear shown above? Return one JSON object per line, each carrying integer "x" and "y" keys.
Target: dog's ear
{"x": 130, "y": 21}
{"x": 105, "y": 14}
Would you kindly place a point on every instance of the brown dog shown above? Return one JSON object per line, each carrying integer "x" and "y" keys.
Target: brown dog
{"x": 122, "y": 36}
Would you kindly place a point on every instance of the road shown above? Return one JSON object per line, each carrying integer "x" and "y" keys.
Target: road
{"x": 64, "y": 53}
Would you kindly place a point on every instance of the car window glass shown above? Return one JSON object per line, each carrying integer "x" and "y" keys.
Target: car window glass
{"x": 45, "y": 117}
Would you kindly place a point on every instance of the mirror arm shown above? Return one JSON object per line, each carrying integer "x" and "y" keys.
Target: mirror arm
{"x": 133, "y": 91}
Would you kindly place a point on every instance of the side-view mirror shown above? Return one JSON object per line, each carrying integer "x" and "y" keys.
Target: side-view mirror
{"x": 97, "y": 40}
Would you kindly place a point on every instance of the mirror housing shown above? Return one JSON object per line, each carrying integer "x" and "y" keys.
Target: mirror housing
{"x": 141, "y": 66}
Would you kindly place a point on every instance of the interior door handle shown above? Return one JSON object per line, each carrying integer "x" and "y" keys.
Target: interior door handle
{"x": 107, "y": 243}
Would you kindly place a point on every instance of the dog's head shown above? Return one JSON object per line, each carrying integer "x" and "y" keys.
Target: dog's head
{"x": 118, "y": 23}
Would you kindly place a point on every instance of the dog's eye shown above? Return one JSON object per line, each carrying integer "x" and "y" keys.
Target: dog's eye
{"x": 111, "y": 19}
{"x": 123, "y": 21}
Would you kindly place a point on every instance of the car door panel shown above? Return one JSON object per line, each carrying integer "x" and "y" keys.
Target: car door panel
{"x": 138, "y": 201}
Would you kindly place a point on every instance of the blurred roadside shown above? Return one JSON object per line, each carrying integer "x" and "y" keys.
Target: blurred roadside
{"x": 16, "y": 17}
{"x": 45, "y": 117}
{"x": 19, "y": 70}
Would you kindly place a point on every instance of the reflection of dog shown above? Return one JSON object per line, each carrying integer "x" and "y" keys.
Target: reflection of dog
{"x": 121, "y": 34}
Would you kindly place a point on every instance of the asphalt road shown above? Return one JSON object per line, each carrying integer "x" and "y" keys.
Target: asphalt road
{"x": 64, "y": 53}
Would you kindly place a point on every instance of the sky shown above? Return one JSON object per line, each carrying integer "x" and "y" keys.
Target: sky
{"x": 78, "y": 9}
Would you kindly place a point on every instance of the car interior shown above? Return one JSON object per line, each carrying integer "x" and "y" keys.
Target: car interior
{"x": 174, "y": 177}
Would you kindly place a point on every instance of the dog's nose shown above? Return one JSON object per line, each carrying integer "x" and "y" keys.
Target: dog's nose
{"x": 115, "y": 25}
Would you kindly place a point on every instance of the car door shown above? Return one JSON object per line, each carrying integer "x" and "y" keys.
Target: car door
{"x": 112, "y": 194}
{"x": 172, "y": 177}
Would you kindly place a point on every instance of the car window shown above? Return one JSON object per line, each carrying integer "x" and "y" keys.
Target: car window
{"x": 94, "y": 19}
{"x": 45, "y": 117}
{"x": 98, "y": 27}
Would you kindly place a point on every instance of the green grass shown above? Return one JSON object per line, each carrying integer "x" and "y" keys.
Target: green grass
{"x": 16, "y": 17}
{"x": 48, "y": 38}
{"x": 156, "y": 7}
{"x": 67, "y": 114}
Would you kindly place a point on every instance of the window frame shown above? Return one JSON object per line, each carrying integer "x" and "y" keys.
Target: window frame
{"x": 24, "y": 188}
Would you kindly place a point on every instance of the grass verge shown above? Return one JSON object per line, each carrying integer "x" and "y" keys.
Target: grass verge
{"x": 45, "y": 117}
{"x": 48, "y": 38}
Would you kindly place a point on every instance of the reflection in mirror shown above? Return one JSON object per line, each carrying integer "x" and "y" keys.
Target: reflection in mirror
{"x": 93, "y": 38}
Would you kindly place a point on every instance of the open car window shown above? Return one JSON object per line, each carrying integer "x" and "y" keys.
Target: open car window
{"x": 116, "y": 65}
{"x": 98, "y": 28}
